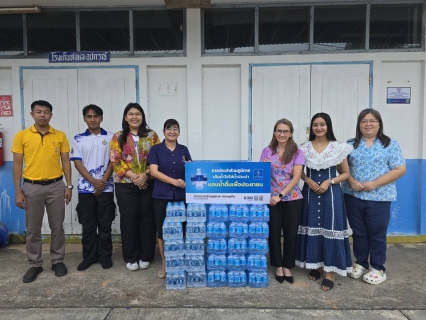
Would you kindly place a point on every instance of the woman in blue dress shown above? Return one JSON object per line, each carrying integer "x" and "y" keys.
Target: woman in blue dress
{"x": 322, "y": 240}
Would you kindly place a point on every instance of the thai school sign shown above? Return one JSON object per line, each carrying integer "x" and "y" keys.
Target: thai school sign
{"x": 79, "y": 56}
{"x": 228, "y": 182}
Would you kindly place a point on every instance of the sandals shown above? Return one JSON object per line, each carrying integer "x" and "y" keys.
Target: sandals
{"x": 374, "y": 277}
{"x": 161, "y": 274}
{"x": 327, "y": 285}
{"x": 315, "y": 275}
{"x": 357, "y": 271}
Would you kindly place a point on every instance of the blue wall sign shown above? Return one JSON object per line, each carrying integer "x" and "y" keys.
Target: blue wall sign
{"x": 398, "y": 95}
{"x": 228, "y": 182}
{"x": 79, "y": 56}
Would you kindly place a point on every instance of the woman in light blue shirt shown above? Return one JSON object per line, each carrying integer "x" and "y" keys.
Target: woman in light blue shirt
{"x": 375, "y": 164}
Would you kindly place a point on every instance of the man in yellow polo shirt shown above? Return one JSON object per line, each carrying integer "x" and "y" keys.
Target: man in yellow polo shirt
{"x": 45, "y": 152}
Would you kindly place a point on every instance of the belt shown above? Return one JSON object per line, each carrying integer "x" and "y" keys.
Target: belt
{"x": 44, "y": 182}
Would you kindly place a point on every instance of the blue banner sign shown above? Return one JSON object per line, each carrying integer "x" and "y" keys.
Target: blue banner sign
{"x": 79, "y": 56}
{"x": 228, "y": 182}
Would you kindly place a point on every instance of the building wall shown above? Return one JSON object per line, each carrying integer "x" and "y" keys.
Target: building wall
{"x": 404, "y": 123}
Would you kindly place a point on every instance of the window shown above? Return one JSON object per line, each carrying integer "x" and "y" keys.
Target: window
{"x": 11, "y": 34}
{"x": 284, "y": 29}
{"x": 51, "y": 32}
{"x": 395, "y": 26}
{"x": 105, "y": 31}
{"x": 229, "y": 30}
{"x": 339, "y": 27}
{"x": 158, "y": 31}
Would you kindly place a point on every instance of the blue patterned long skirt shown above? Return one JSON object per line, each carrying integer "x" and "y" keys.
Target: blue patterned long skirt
{"x": 322, "y": 239}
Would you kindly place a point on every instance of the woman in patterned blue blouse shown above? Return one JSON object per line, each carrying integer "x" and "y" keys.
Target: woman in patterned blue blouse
{"x": 375, "y": 164}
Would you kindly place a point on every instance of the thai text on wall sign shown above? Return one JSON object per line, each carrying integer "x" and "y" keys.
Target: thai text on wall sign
{"x": 6, "y": 106}
{"x": 79, "y": 56}
{"x": 397, "y": 95}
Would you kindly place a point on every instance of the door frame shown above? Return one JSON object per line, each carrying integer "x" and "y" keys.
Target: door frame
{"x": 250, "y": 84}
{"x": 21, "y": 79}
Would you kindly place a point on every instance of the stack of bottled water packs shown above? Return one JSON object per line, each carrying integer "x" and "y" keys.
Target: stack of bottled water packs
{"x": 185, "y": 263}
{"x": 174, "y": 245}
{"x": 258, "y": 232}
{"x": 229, "y": 257}
{"x": 194, "y": 246}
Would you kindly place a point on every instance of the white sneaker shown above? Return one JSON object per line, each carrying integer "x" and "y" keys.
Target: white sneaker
{"x": 374, "y": 276}
{"x": 143, "y": 264}
{"x": 357, "y": 271}
{"x": 132, "y": 266}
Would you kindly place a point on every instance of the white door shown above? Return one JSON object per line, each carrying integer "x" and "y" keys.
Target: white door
{"x": 69, "y": 91}
{"x": 221, "y": 122}
{"x": 299, "y": 92}
{"x": 59, "y": 88}
{"x": 167, "y": 99}
{"x": 279, "y": 92}
{"x": 342, "y": 91}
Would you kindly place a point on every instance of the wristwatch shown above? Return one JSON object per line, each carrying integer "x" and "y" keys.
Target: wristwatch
{"x": 332, "y": 181}
{"x": 280, "y": 195}
{"x": 70, "y": 187}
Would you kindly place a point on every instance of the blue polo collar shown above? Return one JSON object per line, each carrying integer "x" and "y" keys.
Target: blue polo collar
{"x": 87, "y": 132}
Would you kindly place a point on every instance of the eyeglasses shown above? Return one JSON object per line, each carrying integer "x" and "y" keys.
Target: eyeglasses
{"x": 280, "y": 132}
{"x": 364, "y": 122}
{"x": 175, "y": 129}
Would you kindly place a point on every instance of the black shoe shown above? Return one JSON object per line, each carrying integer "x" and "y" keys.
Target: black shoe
{"x": 289, "y": 279}
{"x": 106, "y": 263}
{"x": 60, "y": 269}
{"x": 280, "y": 279}
{"x": 32, "y": 274}
{"x": 86, "y": 263}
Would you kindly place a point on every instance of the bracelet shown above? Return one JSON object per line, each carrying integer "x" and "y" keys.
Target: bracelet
{"x": 134, "y": 176}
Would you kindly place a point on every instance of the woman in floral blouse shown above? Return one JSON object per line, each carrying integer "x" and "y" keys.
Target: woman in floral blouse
{"x": 286, "y": 199}
{"x": 133, "y": 187}
{"x": 375, "y": 164}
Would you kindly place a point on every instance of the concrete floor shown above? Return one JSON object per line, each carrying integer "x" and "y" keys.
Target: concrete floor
{"x": 120, "y": 294}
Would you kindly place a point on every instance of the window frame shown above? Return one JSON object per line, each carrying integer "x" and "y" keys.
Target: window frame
{"x": 77, "y": 10}
{"x": 312, "y": 6}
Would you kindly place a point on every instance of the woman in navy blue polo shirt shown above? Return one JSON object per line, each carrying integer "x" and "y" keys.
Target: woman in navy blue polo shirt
{"x": 375, "y": 164}
{"x": 167, "y": 166}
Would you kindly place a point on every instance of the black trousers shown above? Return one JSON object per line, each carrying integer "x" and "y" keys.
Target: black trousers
{"x": 96, "y": 215}
{"x": 137, "y": 221}
{"x": 286, "y": 216}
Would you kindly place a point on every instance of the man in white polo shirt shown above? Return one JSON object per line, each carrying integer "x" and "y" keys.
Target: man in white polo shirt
{"x": 96, "y": 207}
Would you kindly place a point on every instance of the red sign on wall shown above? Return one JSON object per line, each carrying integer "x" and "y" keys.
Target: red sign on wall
{"x": 6, "y": 109}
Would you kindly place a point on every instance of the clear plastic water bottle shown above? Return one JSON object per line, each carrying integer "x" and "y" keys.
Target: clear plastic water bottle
{"x": 232, "y": 213}
{"x": 189, "y": 216}
{"x": 246, "y": 214}
{"x": 175, "y": 263}
{"x": 182, "y": 212}
{"x": 169, "y": 212}
{"x": 177, "y": 230}
{"x": 202, "y": 216}
{"x": 251, "y": 263}
{"x": 196, "y": 279}
{"x": 194, "y": 246}
{"x": 252, "y": 214}
{"x": 265, "y": 230}
{"x": 259, "y": 213}
{"x": 166, "y": 230}
{"x": 265, "y": 213}
{"x": 223, "y": 213}
{"x": 212, "y": 213}
{"x": 176, "y": 280}
{"x": 199, "y": 178}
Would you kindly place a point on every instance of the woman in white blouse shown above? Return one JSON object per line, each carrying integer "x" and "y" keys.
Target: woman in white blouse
{"x": 322, "y": 243}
